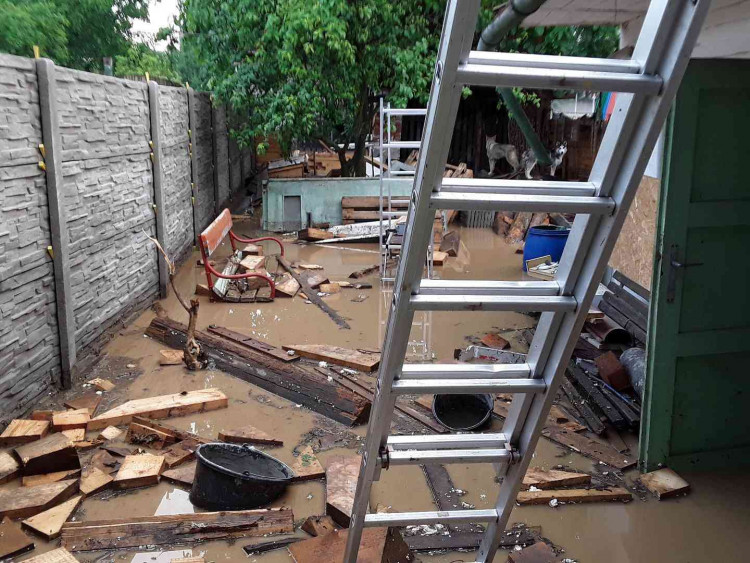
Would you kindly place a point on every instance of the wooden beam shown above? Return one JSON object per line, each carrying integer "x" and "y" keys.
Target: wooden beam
{"x": 163, "y": 406}
{"x": 175, "y": 529}
{"x": 20, "y": 431}
{"x": 52, "y": 453}
{"x": 70, "y": 420}
{"x": 250, "y": 342}
{"x": 312, "y": 295}
{"x": 294, "y": 382}
{"x": 248, "y": 435}
{"x": 552, "y": 478}
{"x": 354, "y": 359}
{"x": 573, "y": 495}
{"x": 342, "y": 473}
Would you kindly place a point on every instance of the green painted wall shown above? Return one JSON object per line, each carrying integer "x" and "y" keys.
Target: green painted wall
{"x": 321, "y": 197}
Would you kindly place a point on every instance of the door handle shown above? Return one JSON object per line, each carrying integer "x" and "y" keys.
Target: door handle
{"x": 676, "y": 265}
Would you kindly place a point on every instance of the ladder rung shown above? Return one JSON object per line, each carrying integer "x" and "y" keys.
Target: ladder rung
{"x": 467, "y": 386}
{"x": 556, "y": 79}
{"x": 520, "y": 303}
{"x": 520, "y": 187}
{"x": 432, "y": 457}
{"x": 482, "y": 287}
{"x": 434, "y": 517}
{"x": 454, "y": 441}
{"x": 524, "y": 60}
{"x": 402, "y": 145}
{"x": 467, "y": 201}
{"x": 405, "y": 111}
{"x": 466, "y": 371}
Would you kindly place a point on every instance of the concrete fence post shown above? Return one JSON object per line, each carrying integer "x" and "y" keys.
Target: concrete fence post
{"x": 192, "y": 146}
{"x": 161, "y": 227}
{"x": 45, "y": 69}
{"x": 215, "y": 159}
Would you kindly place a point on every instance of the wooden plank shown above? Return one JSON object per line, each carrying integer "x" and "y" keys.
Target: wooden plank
{"x": 21, "y": 431}
{"x": 182, "y": 475}
{"x": 251, "y": 263}
{"x": 494, "y": 340}
{"x": 287, "y": 286}
{"x": 306, "y": 466}
{"x": 180, "y": 452}
{"x": 12, "y": 540}
{"x": 354, "y": 215}
{"x": 311, "y": 234}
{"x": 589, "y": 447}
{"x": 372, "y": 202}
{"x": 90, "y": 401}
{"x": 75, "y": 435}
{"x": 552, "y": 479}
{"x": 248, "y": 435}
{"x": 52, "y": 453}
{"x": 59, "y": 555}
{"x": 102, "y": 384}
{"x": 342, "y": 473}
{"x": 378, "y": 545}
{"x": 364, "y": 272}
{"x": 169, "y": 429}
{"x": 291, "y": 381}
{"x": 188, "y": 560}
{"x": 445, "y": 495}
{"x": 265, "y": 547}
{"x": 140, "y": 470}
{"x": 27, "y": 501}
{"x": 581, "y": 405}
{"x": 43, "y": 479}
{"x": 630, "y": 284}
{"x": 93, "y": 480}
{"x": 49, "y": 523}
{"x": 592, "y": 391}
{"x": 163, "y": 406}
{"x": 251, "y": 249}
{"x": 573, "y": 495}
{"x": 318, "y": 525}
{"x": 361, "y": 360}
{"x": 175, "y": 529}
{"x": 9, "y": 467}
{"x": 70, "y": 420}
{"x": 250, "y": 342}
{"x": 110, "y": 433}
{"x": 143, "y": 435}
{"x": 312, "y": 295}
{"x": 171, "y": 357}
{"x": 665, "y": 483}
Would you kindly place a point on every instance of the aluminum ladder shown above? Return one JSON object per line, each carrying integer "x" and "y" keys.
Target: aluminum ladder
{"x": 646, "y": 85}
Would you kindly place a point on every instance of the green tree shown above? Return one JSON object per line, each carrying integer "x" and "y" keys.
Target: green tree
{"x": 140, "y": 59}
{"x": 74, "y": 33}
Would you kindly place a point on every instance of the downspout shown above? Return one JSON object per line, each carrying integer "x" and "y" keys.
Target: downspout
{"x": 511, "y": 17}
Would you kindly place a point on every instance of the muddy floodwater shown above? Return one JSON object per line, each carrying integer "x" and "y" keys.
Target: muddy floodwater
{"x": 708, "y": 525}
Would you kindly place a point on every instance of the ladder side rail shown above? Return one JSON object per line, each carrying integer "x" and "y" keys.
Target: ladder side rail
{"x": 456, "y": 38}
{"x": 381, "y": 231}
{"x": 672, "y": 54}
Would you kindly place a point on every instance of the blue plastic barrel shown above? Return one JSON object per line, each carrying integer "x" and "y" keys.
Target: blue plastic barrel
{"x": 545, "y": 240}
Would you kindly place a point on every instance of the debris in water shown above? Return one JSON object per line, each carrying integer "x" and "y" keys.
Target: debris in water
{"x": 554, "y": 503}
{"x": 309, "y": 496}
{"x": 322, "y": 364}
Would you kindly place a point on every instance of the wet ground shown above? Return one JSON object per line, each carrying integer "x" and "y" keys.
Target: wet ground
{"x": 706, "y": 525}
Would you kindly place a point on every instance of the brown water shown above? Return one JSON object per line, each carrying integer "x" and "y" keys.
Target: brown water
{"x": 707, "y": 525}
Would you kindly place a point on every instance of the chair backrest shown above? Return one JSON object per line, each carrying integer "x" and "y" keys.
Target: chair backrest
{"x": 212, "y": 235}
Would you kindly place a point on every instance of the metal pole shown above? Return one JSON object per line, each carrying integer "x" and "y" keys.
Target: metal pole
{"x": 45, "y": 70}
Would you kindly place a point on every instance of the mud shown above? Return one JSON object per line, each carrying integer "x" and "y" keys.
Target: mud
{"x": 707, "y": 525}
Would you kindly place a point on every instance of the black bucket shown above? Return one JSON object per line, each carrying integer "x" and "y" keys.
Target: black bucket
{"x": 236, "y": 477}
{"x": 462, "y": 412}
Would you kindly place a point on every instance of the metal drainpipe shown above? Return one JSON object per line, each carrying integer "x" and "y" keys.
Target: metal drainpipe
{"x": 511, "y": 17}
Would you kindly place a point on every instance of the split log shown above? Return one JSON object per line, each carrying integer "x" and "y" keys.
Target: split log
{"x": 50, "y": 454}
{"x": 294, "y": 382}
{"x": 21, "y": 431}
{"x": 27, "y": 501}
{"x": 49, "y": 523}
{"x": 553, "y": 478}
{"x": 139, "y": 471}
{"x": 312, "y": 295}
{"x": 573, "y": 495}
{"x": 342, "y": 473}
{"x": 517, "y": 231}
{"x": 307, "y": 467}
{"x": 175, "y": 529}
{"x": 361, "y": 360}
{"x": 163, "y": 406}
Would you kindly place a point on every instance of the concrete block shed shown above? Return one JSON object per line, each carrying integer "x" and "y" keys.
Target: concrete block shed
{"x": 290, "y": 204}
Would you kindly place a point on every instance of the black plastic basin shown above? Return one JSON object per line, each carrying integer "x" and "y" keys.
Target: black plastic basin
{"x": 462, "y": 412}
{"x": 236, "y": 477}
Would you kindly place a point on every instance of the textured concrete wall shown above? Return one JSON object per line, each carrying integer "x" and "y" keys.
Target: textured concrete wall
{"x": 29, "y": 344}
{"x": 222, "y": 156}
{"x": 107, "y": 199}
{"x": 173, "y": 107}
{"x": 203, "y": 175}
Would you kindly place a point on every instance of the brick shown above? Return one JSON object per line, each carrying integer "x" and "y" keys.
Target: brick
{"x": 612, "y": 371}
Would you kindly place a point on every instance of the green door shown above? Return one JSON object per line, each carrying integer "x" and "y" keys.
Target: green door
{"x": 696, "y": 410}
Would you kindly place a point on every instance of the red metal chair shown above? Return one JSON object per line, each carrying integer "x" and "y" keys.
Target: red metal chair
{"x": 210, "y": 239}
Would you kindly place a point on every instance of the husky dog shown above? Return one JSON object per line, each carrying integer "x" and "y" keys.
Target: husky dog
{"x": 497, "y": 151}
{"x": 557, "y": 154}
